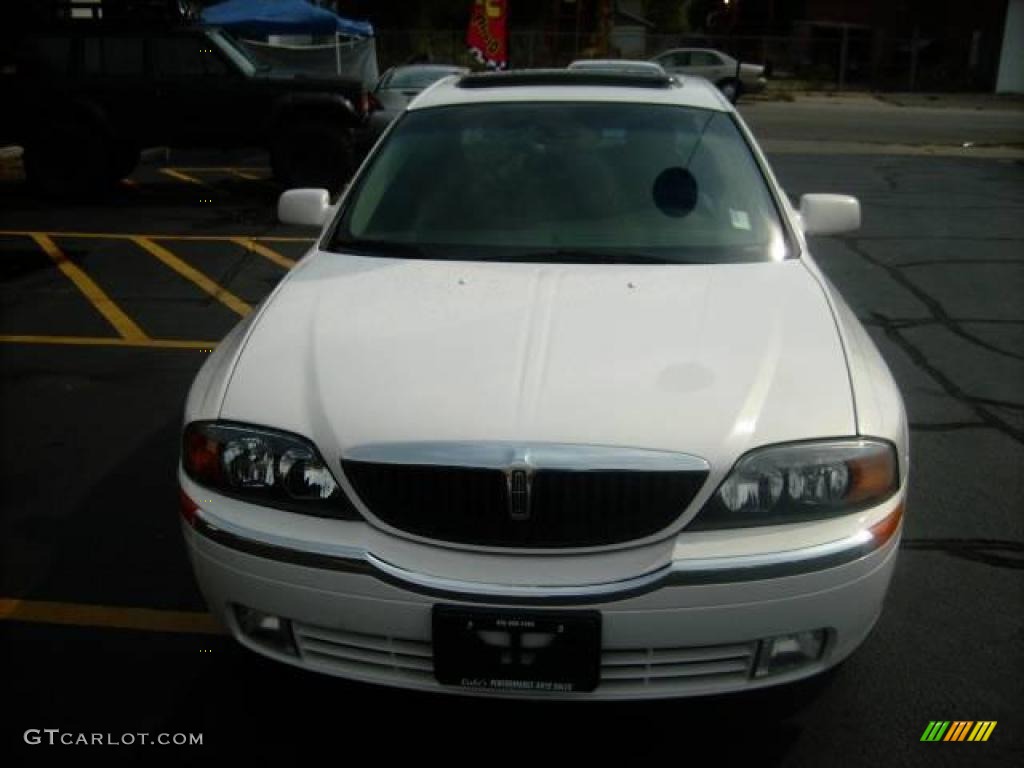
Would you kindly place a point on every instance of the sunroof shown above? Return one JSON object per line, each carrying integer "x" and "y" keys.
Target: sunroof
{"x": 520, "y": 77}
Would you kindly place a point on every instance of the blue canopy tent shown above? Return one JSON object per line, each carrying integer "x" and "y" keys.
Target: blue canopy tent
{"x": 263, "y": 25}
{"x": 281, "y": 17}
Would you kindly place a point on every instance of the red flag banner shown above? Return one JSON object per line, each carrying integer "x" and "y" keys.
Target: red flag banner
{"x": 487, "y": 36}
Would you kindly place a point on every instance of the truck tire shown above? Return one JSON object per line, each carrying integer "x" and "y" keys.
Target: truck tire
{"x": 314, "y": 154}
{"x": 68, "y": 158}
{"x": 124, "y": 159}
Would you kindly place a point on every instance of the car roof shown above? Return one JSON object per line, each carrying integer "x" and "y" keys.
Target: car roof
{"x": 531, "y": 85}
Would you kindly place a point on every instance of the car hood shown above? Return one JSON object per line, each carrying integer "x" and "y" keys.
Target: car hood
{"x": 705, "y": 359}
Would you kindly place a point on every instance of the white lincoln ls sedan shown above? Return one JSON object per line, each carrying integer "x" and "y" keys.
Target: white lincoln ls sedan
{"x": 559, "y": 405}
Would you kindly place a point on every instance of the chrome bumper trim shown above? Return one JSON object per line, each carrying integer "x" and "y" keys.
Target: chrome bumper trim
{"x": 502, "y": 455}
{"x": 680, "y": 573}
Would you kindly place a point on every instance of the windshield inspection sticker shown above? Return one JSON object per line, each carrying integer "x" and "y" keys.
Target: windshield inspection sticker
{"x": 740, "y": 219}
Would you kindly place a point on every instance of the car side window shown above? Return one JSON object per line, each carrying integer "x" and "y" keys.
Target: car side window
{"x": 704, "y": 59}
{"x": 680, "y": 59}
{"x": 186, "y": 56}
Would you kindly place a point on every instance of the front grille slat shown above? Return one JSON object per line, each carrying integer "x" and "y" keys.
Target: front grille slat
{"x": 672, "y": 685}
{"x": 676, "y": 667}
{"x": 568, "y": 509}
{"x": 679, "y": 669}
{"x": 674, "y": 670}
{"x": 711, "y": 653}
{"x": 357, "y": 669}
{"x": 358, "y": 653}
{"x": 613, "y": 658}
{"x": 368, "y": 657}
{"x": 369, "y": 642}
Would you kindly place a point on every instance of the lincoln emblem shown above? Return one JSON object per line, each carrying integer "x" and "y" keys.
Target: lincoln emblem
{"x": 519, "y": 480}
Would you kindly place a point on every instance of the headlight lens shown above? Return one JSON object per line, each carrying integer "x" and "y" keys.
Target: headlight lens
{"x": 263, "y": 466}
{"x": 802, "y": 481}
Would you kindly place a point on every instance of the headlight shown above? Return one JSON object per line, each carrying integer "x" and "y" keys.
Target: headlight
{"x": 263, "y": 466}
{"x": 802, "y": 481}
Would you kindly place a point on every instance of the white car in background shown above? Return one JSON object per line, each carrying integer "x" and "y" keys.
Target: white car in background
{"x": 395, "y": 89}
{"x": 558, "y": 405}
{"x": 720, "y": 68}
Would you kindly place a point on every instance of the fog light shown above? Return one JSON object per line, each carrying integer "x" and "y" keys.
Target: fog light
{"x": 265, "y": 629}
{"x": 788, "y": 652}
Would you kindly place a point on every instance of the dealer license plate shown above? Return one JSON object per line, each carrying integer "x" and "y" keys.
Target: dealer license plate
{"x": 513, "y": 650}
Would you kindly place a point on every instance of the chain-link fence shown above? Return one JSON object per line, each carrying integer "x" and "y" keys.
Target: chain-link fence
{"x": 817, "y": 57}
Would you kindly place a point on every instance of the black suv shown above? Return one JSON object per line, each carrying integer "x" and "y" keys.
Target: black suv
{"x": 83, "y": 96}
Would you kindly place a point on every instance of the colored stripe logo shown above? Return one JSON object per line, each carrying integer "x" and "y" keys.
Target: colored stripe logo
{"x": 958, "y": 730}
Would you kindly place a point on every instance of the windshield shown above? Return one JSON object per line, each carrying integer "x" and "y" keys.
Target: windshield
{"x": 564, "y": 182}
{"x": 235, "y": 52}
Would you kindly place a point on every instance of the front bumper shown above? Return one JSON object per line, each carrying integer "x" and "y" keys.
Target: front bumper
{"x": 688, "y": 629}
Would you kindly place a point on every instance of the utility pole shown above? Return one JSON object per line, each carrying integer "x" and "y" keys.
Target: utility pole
{"x": 914, "y": 40}
{"x": 843, "y": 52}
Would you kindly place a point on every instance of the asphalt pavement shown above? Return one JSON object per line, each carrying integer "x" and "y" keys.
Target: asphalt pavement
{"x": 109, "y": 306}
{"x": 865, "y": 119}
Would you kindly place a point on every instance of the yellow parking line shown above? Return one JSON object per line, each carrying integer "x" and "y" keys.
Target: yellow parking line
{"x": 247, "y": 175}
{"x": 99, "y": 299}
{"x": 155, "y": 236}
{"x": 174, "y": 174}
{"x": 251, "y": 169}
{"x": 110, "y": 341}
{"x": 284, "y": 239}
{"x": 265, "y": 252}
{"x": 222, "y": 295}
{"x": 146, "y": 619}
{"x": 222, "y": 238}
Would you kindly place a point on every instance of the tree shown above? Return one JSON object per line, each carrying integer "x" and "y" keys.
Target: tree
{"x": 698, "y": 11}
{"x": 668, "y": 16}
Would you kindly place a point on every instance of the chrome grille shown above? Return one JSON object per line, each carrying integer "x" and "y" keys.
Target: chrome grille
{"x": 676, "y": 667}
{"x": 567, "y": 508}
{"x": 359, "y": 654}
{"x": 623, "y": 671}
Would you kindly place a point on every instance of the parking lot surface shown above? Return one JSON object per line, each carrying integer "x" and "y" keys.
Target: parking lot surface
{"x": 109, "y": 307}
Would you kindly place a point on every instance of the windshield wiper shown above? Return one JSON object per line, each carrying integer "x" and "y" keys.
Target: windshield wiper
{"x": 582, "y": 256}
{"x": 402, "y": 250}
{"x": 388, "y": 248}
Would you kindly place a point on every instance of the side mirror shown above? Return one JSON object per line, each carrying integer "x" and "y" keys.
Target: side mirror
{"x": 829, "y": 214}
{"x": 306, "y": 207}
